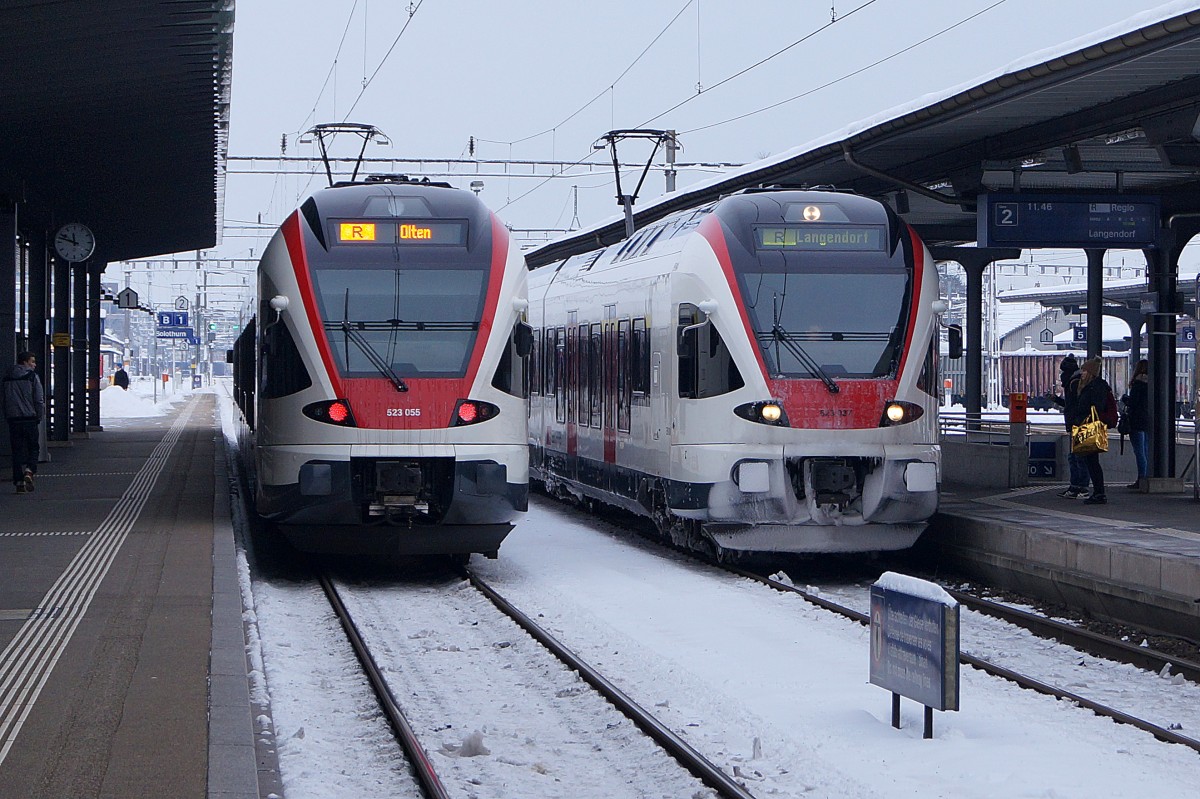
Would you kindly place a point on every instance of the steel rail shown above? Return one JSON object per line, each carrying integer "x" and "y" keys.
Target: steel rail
{"x": 422, "y": 766}
{"x": 689, "y": 758}
{"x": 1161, "y": 733}
{"x": 1079, "y": 637}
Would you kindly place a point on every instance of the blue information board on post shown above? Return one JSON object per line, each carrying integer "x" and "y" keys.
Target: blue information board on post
{"x": 1100, "y": 221}
{"x": 914, "y": 646}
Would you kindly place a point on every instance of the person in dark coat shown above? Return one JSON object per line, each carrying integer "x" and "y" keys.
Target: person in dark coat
{"x": 23, "y": 400}
{"x": 121, "y": 377}
{"x": 1137, "y": 408}
{"x": 1068, "y": 372}
{"x": 1091, "y": 392}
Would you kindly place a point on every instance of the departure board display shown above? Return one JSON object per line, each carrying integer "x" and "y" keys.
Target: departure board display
{"x": 1101, "y": 221}
{"x": 416, "y": 232}
{"x": 857, "y": 238}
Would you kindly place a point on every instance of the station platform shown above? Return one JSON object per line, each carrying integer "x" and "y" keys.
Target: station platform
{"x": 123, "y": 669}
{"x": 1135, "y": 560}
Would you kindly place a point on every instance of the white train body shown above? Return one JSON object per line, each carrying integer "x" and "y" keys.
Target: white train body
{"x": 383, "y": 374}
{"x": 656, "y": 358}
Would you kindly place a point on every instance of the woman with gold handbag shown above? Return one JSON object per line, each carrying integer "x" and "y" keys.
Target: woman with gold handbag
{"x": 1089, "y": 434}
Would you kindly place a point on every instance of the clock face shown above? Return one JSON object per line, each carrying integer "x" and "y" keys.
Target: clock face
{"x": 74, "y": 242}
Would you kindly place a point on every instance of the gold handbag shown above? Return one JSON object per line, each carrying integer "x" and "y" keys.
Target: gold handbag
{"x": 1089, "y": 437}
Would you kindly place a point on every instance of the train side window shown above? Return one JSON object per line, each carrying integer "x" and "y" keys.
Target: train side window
{"x": 560, "y": 369}
{"x": 596, "y": 378}
{"x": 535, "y": 364}
{"x": 551, "y": 379}
{"x": 283, "y": 372}
{"x": 572, "y": 372}
{"x": 582, "y": 373}
{"x": 640, "y": 354}
{"x": 706, "y": 367}
{"x": 624, "y": 381}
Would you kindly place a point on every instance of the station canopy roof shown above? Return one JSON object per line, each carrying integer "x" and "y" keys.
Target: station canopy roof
{"x": 1115, "y": 111}
{"x": 115, "y": 114}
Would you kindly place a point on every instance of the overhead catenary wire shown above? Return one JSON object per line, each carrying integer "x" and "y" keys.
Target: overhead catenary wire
{"x": 847, "y": 76}
{"x": 607, "y": 90}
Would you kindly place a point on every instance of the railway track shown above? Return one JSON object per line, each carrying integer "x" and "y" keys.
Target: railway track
{"x": 431, "y": 784}
{"x": 1100, "y": 645}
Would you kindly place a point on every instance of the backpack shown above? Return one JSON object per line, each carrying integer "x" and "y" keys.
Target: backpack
{"x": 1108, "y": 414}
{"x": 1124, "y": 426}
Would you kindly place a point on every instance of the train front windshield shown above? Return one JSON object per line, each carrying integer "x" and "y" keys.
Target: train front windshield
{"x": 827, "y": 299}
{"x": 420, "y": 322}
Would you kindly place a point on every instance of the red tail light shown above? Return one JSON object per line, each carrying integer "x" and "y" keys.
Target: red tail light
{"x": 331, "y": 412}
{"x": 472, "y": 412}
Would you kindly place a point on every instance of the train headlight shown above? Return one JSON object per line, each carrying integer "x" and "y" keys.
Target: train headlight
{"x": 335, "y": 411}
{"x": 469, "y": 411}
{"x": 764, "y": 412}
{"x": 900, "y": 412}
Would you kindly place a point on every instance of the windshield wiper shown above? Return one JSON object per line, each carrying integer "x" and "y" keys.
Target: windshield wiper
{"x": 374, "y": 357}
{"x": 781, "y": 336}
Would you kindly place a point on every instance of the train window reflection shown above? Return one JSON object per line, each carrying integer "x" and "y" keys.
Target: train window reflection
{"x": 849, "y": 324}
{"x": 420, "y": 322}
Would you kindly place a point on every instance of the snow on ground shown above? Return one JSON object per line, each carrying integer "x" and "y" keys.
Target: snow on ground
{"x": 765, "y": 685}
{"x": 144, "y": 398}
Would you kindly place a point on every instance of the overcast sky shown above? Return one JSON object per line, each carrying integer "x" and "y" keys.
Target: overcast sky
{"x": 519, "y": 77}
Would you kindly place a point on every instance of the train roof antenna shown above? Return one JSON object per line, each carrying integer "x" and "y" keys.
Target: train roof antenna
{"x": 325, "y": 133}
{"x": 610, "y": 140}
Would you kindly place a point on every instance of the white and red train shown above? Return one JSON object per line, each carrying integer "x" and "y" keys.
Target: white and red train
{"x": 757, "y": 374}
{"x": 382, "y": 378}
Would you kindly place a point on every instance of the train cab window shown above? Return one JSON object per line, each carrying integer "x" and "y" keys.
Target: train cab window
{"x": 282, "y": 371}
{"x": 706, "y": 367}
{"x": 512, "y": 372}
{"x": 930, "y": 381}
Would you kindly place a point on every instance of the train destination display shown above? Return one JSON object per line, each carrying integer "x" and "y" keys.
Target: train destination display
{"x": 1059, "y": 220}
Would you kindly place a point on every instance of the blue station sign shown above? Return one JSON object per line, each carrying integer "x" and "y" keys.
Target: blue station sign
{"x": 1113, "y": 221}
{"x": 914, "y": 643}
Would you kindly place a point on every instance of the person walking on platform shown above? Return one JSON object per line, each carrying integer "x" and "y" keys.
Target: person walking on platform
{"x": 23, "y": 401}
{"x": 1091, "y": 392}
{"x": 121, "y": 377}
{"x": 1068, "y": 372}
{"x": 1137, "y": 408}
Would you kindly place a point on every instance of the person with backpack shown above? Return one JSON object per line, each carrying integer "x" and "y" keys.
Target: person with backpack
{"x": 1092, "y": 393}
{"x": 1136, "y": 419}
{"x": 23, "y": 400}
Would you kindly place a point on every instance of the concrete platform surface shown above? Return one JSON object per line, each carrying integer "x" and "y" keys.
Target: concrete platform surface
{"x": 122, "y": 655}
{"x": 1134, "y": 560}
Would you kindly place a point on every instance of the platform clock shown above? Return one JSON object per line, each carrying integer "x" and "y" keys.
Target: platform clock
{"x": 75, "y": 242}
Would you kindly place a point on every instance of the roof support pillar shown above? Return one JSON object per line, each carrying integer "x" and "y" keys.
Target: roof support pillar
{"x": 94, "y": 274}
{"x": 9, "y": 253}
{"x": 973, "y": 261}
{"x": 38, "y": 292}
{"x": 1095, "y": 302}
{"x": 60, "y": 425}
{"x": 79, "y": 348}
